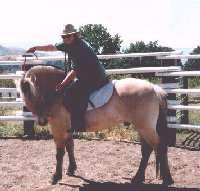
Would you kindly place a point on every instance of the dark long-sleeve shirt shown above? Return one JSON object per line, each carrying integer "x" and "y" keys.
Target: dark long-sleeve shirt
{"x": 84, "y": 60}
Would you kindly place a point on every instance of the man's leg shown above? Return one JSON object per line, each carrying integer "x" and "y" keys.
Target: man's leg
{"x": 80, "y": 95}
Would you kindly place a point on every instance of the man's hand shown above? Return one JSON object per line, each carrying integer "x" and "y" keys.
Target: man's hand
{"x": 70, "y": 76}
{"x": 59, "y": 87}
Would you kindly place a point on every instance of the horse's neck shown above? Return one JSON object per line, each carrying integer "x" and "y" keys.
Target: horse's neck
{"x": 49, "y": 81}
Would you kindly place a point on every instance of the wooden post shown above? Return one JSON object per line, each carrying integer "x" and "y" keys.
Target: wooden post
{"x": 28, "y": 125}
{"x": 184, "y": 98}
{"x": 171, "y": 96}
{"x": 29, "y": 129}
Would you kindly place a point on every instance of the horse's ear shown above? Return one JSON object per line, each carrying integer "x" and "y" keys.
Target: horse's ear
{"x": 33, "y": 78}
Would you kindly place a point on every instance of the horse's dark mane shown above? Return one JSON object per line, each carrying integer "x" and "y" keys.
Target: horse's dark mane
{"x": 44, "y": 69}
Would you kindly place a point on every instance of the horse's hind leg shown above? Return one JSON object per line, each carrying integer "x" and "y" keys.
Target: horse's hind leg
{"x": 69, "y": 143}
{"x": 146, "y": 150}
{"x": 164, "y": 166}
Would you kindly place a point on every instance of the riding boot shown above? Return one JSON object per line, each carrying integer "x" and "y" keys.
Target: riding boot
{"x": 78, "y": 121}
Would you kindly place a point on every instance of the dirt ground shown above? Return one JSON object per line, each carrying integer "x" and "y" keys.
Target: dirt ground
{"x": 102, "y": 166}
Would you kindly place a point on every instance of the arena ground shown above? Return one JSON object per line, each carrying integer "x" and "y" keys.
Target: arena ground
{"x": 102, "y": 166}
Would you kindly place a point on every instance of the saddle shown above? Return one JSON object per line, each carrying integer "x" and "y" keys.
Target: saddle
{"x": 101, "y": 96}
{"x": 97, "y": 99}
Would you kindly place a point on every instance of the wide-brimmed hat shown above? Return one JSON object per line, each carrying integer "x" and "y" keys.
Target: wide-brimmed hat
{"x": 69, "y": 29}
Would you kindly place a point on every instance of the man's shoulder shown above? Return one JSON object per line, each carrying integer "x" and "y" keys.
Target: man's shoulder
{"x": 81, "y": 42}
{"x": 85, "y": 45}
{"x": 61, "y": 46}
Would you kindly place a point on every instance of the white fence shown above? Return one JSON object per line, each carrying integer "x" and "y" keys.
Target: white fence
{"x": 172, "y": 88}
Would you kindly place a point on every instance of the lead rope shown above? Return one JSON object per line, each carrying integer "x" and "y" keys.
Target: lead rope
{"x": 67, "y": 62}
{"x": 26, "y": 55}
{"x": 66, "y": 69}
{"x": 35, "y": 55}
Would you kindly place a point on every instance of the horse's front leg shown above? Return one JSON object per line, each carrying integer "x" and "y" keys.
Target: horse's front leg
{"x": 60, "y": 151}
{"x": 69, "y": 143}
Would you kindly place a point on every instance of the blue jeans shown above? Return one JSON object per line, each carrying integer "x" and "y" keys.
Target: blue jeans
{"x": 77, "y": 98}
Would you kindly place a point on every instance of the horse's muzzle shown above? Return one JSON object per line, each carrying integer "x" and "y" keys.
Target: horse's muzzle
{"x": 42, "y": 121}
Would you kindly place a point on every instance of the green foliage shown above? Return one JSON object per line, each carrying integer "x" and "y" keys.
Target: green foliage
{"x": 181, "y": 136}
{"x": 9, "y": 129}
{"x": 42, "y": 132}
{"x": 141, "y": 47}
{"x": 193, "y": 64}
{"x": 99, "y": 39}
{"x": 119, "y": 132}
{"x": 194, "y": 82}
{"x": 7, "y": 83}
{"x": 194, "y": 117}
{"x": 112, "y": 45}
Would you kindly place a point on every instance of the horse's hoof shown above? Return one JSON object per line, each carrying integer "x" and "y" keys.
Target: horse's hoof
{"x": 70, "y": 173}
{"x": 71, "y": 170}
{"x": 56, "y": 178}
{"x": 168, "y": 182}
{"x": 138, "y": 180}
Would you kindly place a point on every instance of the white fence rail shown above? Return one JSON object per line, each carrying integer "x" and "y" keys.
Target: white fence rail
{"x": 159, "y": 71}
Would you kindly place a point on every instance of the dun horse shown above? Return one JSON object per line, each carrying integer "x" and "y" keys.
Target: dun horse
{"x": 133, "y": 100}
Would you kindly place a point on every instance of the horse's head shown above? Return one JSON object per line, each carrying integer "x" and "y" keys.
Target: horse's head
{"x": 38, "y": 91}
{"x": 33, "y": 99}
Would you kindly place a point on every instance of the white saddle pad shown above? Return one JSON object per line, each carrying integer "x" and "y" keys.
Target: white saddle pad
{"x": 100, "y": 96}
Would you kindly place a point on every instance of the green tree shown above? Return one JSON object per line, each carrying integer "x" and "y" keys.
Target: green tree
{"x": 112, "y": 45}
{"x": 100, "y": 40}
{"x": 141, "y": 47}
{"x": 193, "y": 64}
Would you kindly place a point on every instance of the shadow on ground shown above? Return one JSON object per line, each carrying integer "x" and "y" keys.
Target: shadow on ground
{"x": 90, "y": 185}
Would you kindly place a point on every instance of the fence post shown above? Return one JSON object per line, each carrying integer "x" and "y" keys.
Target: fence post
{"x": 184, "y": 98}
{"x": 171, "y": 96}
{"x": 28, "y": 125}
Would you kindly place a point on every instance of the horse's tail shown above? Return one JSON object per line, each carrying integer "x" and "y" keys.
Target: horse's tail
{"x": 167, "y": 135}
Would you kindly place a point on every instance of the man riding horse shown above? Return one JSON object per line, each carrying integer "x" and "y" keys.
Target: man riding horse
{"x": 85, "y": 66}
